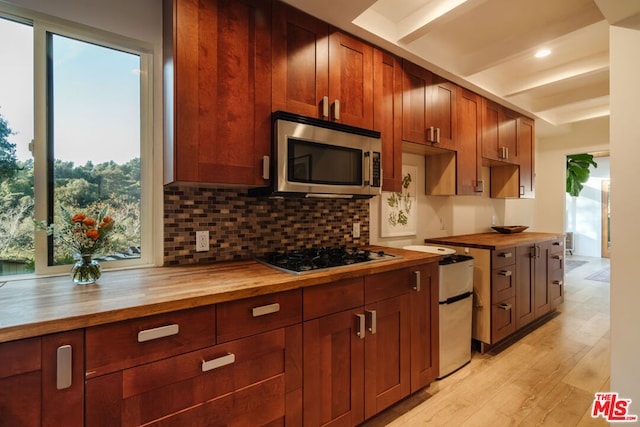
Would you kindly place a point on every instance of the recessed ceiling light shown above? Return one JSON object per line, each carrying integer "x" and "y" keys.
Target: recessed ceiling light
{"x": 542, "y": 53}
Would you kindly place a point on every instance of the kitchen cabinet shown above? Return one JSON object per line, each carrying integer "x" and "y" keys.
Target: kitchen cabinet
{"x": 468, "y": 158}
{"x": 42, "y": 381}
{"x": 499, "y": 132}
{"x": 235, "y": 362}
{"x": 518, "y": 280}
{"x": 526, "y": 156}
{"x": 387, "y": 116}
{"x": 319, "y": 71}
{"x": 424, "y": 325}
{"x": 368, "y": 343}
{"x": 218, "y": 91}
{"x": 429, "y": 113}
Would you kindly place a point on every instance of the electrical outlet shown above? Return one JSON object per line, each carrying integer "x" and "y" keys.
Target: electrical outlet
{"x": 356, "y": 230}
{"x": 202, "y": 241}
{"x": 493, "y": 220}
{"x": 442, "y": 227}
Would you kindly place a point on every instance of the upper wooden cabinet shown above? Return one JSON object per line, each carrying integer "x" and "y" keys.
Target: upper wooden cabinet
{"x": 468, "y": 161}
{"x": 526, "y": 154}
{"x": 499, "y": 133}
{"x": 387, "y": 116}
{"x": 319, "y": 71}
{"x": 218, "y": 90}
{"x": 429, "y": 113}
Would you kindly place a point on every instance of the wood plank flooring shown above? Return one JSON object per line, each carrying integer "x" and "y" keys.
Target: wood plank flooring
{"x": 547, "y": 378}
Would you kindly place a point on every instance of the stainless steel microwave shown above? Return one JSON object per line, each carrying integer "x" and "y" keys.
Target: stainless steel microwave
{"x": 318, "y": 158}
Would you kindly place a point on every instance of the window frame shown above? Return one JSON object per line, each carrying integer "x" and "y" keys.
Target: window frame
{"x": 42, "y": 25}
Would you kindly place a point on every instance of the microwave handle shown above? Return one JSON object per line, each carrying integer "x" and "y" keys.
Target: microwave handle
{"x": 368, "y": 167}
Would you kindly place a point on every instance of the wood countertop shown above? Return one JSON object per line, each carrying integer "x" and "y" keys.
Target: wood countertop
{"x": 493, "y": 240}
{"x": 33, "y": 307}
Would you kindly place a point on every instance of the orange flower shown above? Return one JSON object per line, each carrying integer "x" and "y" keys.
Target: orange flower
{"x": 92, "y": 234}
{"x": 89, "y": 222}
{"x": 106, "y": 220}
{"x": 78, "y": 217}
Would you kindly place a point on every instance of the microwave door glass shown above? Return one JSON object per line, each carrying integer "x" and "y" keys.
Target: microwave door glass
{"x": 316, "y": 163}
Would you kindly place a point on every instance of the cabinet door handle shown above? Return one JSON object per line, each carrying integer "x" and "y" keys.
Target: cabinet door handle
{"x": 360, "y": 325}
{"x": 506, "y": 153}
{"x": 437, "y": 135}
{"x": 506, "y": 273}
{"x": 208, "y": 365}
{"x": 64, "y": 367}
{"x": 336, "y": 110}
{"x": 505, "y": 307}
{"x": 266, "y": 167}
{"x": 479, "y": 186}
{"x": 431, "y": 133}
{"x": 416, "y": 285}
{"x": 557, "y": 243}
{"x": 155, "y": 333}
{"x": 265, "y": 309}
{"x": 558, "y": 282}
{"x": 325, "y": 107}
{"x": 372, "y": 321}
{"x": 558, "y": 257}
{"x": 522, "y": 190}
{"x": 505, "y": 255}
{"x": 537, "y": 251}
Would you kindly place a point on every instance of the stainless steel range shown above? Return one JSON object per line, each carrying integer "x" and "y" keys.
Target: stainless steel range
{"x": 310, "y": 260}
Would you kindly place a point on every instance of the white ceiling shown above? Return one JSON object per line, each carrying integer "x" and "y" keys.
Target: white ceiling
{"x": 489, "y": 46}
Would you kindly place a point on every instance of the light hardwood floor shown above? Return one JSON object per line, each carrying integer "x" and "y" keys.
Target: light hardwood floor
{"x": 547, "y": 378}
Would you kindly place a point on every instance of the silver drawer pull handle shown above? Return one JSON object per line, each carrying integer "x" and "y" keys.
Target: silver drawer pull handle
{"x": 506, "y": 273}
{"x": 558, "y": 257}
{"x": 63, "y": 368}
{"x": 372, "y": 321}
{"x": 558, "y": 282}
{"x": 155, "y": 333}
{"x": 506, "y": 255}
{"x": 416, "y": 286}
{"x": 265, "y": 309}
{"x": 505, "y": 307}
{"x": 208, "y": 365}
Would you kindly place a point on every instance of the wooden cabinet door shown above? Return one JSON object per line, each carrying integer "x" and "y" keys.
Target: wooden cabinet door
{"x": 442, "y": 113}
{"x": 222, "y": 91}
{"x": 526, "y": 157}
{"x": 350, "y": 80}
{"x": 524, "y": 285}
{"x": 387, "y": 116}
{"x": 424, "y": 325}
{"x": 33, "y": 391}
{"x": 416, "y": 82}
{"x": 508, "y": 135}
{"x": 468, "y": 158}
{"x": 333, "y": 370}
{"x": 503, "y": 319}
{"x": 541, "y": 297}
{"x": 300, "y": 61}
{"x": 490, "y": 130}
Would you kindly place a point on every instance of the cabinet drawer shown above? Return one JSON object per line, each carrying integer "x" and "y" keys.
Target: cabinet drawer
{"x": 389, "y": 284}
{"x": 503, "y": 257}
{"x": 237, "y": 319}
{"x": 556, "y": 261}
{"x": 557, "y": 245}
{"x": 129, "y": 343}
{"x": 332, "y": 298}
{"x": 503, "y": 283}
{"x": 234, "y": 381}
{"x": 503, "y": 319}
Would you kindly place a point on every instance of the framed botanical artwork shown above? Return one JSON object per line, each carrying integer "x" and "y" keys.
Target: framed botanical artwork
{"x": 399, "y": 211}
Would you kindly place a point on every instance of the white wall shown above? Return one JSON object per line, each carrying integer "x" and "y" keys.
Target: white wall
{"x": 584, "y": 213}
{"x": 625, "y": 205}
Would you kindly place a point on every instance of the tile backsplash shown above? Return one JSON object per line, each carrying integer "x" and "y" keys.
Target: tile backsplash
{"x": 242, "y": 226}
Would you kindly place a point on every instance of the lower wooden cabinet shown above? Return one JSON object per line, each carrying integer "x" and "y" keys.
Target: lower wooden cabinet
{"x": 42, "y": 381}
{"x": 244, "y": 382}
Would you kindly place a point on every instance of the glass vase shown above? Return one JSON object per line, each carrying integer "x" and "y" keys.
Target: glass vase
{"x": 86, "y": 270}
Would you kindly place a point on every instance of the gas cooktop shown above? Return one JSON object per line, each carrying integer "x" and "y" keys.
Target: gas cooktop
{"x": 309, "y": 260}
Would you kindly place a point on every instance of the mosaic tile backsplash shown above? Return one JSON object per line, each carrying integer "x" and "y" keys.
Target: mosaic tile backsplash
{"x": 242, "y": 226}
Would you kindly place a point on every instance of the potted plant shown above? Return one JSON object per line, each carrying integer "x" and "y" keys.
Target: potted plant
{"x": 578, "y": 172}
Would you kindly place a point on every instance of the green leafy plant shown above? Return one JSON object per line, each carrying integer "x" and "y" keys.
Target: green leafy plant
{"x": 578, "y": 172}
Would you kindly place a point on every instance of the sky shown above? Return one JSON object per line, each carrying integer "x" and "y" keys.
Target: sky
{"x": 96, "y": 97}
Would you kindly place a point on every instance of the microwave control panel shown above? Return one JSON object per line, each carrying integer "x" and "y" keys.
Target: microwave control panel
{"x": 375, "y": 175}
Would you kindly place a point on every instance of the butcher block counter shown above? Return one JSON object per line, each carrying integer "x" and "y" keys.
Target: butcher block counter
{"x": 33, "y": 307}
{"x": 492, "y": 240}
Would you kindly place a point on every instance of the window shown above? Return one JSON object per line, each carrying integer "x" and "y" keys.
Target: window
{"x": 82, "y": 97}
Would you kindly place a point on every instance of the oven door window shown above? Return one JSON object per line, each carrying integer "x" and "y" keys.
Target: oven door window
{"x": 317, "y": 163}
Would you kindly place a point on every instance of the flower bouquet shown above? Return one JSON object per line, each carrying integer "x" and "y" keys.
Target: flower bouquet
{"x": 84, "y": 236}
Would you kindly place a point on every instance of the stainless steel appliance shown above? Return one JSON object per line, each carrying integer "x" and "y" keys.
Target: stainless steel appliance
{"x": 455, "y": 308}
{"x": 309, "y": 260}
{"x": 319, "y": 158}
